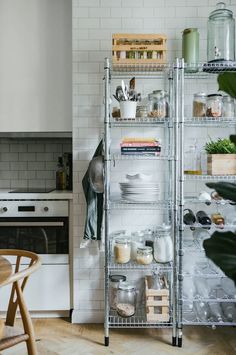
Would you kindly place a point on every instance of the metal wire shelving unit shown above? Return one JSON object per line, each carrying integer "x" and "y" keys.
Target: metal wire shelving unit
{"x": 188, "y": 315}
{"x": 168, "y": 206}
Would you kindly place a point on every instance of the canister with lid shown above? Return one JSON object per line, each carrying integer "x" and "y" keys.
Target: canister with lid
{"x": 228, "y": 106}
{"x": 157, "y": 104}
{"x": 114, "y": 284}
{"x": 126, "y": 300}
{"x": 199, "y": 104}
{"x": 122, "y": 250}
{"x": 144, "y": 255}
{"x": 190, "y": 49}
{"x": 163, "y": 246}
{"x": 214, "y": 105}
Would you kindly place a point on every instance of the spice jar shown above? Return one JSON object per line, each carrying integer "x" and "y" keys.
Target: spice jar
{"x": 144, "y": 255}
{"x": 126, "y": 300}
{"x": 163, "y": 246}
{"x": 228, "y": 106}
{"x": 157, "y": 104}
{"x": 214, "y": 105}
{"x": 122, "y": 250}
{"x": 199, "y": 104}
{"x": 114, "y": 284}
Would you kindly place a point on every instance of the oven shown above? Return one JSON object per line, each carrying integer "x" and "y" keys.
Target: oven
{"x": 38, "y": 226}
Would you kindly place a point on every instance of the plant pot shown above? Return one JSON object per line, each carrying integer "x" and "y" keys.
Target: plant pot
{"x": 221, "y": 164}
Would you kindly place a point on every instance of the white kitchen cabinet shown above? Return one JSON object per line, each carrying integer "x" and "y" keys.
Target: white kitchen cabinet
{"x": 48, "y": 289}
{"x": 35, "y": 66}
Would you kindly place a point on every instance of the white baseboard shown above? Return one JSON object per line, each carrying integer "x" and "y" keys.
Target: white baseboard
{"x": 43, "y": 314}
{"x": 79, "y": 316}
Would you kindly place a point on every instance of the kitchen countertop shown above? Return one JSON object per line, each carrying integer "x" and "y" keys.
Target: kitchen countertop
{"x": 53, "y": 195}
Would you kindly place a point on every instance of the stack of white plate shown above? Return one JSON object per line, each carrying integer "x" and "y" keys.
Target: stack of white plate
{"x": 140, "y": 191}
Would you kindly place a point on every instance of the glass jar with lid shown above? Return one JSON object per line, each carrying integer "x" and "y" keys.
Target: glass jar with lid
{"x": 157, "y": 104}
{"x": 126, "y": 300}
{"x": 122, "y": 250}
{"x": 228, "y": 106}
{"x": 192, "y": 161}
{"x": 214, "y": 105}
{"x": 137, "y": 241}
{"x": 199, "y": 104}
{"x": 114, "y": 284}
{"x": 221, "y": 35}
{"x": 163, "y": 246}
{"x": 144, "y": 255}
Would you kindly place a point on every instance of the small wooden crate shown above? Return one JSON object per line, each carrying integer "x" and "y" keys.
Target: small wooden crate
{"x": 138, "y": 48}
{"x": 156, "y": 300}
{"x": 221, "y": 164}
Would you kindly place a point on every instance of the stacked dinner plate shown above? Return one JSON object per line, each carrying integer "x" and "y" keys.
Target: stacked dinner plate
{"x": 140, "y": 191}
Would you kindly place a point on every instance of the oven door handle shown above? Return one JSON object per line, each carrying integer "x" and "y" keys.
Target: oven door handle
{"x": 31, "y": 224}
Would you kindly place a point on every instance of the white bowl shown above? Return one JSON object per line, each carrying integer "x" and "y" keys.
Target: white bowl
{"x": 139, "y": 176}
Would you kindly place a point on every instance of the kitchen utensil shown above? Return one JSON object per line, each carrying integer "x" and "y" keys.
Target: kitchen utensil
{"x": 124, "y": 89}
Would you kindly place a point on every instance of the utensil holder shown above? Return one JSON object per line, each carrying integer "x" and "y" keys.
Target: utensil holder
{"x": 128, "y": 109}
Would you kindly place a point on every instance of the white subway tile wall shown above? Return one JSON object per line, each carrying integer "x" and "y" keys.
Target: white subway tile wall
{"x": 30, "y": 163}
{"x": 94, "y": 22}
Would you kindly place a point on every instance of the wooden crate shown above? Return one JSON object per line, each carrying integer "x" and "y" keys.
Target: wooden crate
{"x": 131, "y": 48}
{"x": 157, "y": 303}
{"x": 221, "y": 164}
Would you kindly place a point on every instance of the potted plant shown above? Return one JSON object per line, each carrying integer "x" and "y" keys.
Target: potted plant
{"x": 221, "y": 157}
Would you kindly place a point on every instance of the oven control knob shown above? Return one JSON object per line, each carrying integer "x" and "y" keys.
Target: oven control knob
{"x": 46, "y": 209}
{"x": 4, "y": 209}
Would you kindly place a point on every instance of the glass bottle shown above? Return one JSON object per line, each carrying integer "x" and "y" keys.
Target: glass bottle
{"x": 114, "y": 283}
{"x": 60, "y": 175}
{"x": 190, "y": 49}
{"x": 203, "y": 219}
{"x": 192, "y": 164}
{"x": 189, "y": 217}
{"x": 221, "y": 35}
{"x": 126, "y": 300}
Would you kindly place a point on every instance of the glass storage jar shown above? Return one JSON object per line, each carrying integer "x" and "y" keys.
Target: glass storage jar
{"x": 144, "y": 255}
{"x": 137, "y": 241}
{"x": 122, "y": 250}
{"x": 221, "y": 35}
{"x": 192, "y": 162}
{"x": 126, "y": 300}
{"x": 163, "y": 246}
{"x": 157, "y": 104}
{"x": 228, "y": 106}
{"x": 199, "y": 104}
{"x": 214, "y": 105}
{"x": 190, "y": 49}
{"x": 114, "y": 284}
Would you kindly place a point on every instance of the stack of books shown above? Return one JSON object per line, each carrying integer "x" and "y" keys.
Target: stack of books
{"x": 140, "y": 146}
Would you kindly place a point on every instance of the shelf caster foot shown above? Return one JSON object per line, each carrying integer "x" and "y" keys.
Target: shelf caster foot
{"x": 180, "y": 342}
{"x": 106, "y": 341}
{"x": 173, "y": 341}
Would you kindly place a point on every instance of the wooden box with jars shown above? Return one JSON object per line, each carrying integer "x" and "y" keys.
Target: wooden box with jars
{"x": 138, "y": 48}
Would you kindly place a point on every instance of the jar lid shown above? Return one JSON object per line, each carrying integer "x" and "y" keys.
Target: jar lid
{"x": 220, "y": 12}
{"x": 189, "y": 30}
{"x": 117, "y": 278}
{"x": 122, "y": 240}
{"x": 214, "y": 95}
{"x": 126, "y": 286}
{"x": 200, "y": 94}
{"x": 144, "y": 250}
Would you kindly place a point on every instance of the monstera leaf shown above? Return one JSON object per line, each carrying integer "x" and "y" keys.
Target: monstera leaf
{"x": 221, "y": 249}
{"x": 227, "y": 83}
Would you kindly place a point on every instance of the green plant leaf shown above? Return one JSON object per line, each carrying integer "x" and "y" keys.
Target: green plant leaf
{"x": 227, "y": 83}
{"x": 221, "y": 249}
{"x": 232, "y": 138}
{"x": 226, "y": 190}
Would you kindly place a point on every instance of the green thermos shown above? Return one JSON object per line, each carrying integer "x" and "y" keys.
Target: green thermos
{"x": 190, "y": 49}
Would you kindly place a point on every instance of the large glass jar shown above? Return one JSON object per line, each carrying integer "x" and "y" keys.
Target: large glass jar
{"x": 163, "y": 246}
{"x": 214, "y": 105}
{"x": 126, "y": 300}
{"x": 122, "y": 250}
{"x": 228, "y": 106}
{"x": 199, "y": 104}
{"x": 192, "y": 161}
{"x": 114, "y": 284}
{"x": 137, "y": 241}
{"x": 157, "y": 104}
{"x": 221, "y": 35}
{"x": 144, "y": 255}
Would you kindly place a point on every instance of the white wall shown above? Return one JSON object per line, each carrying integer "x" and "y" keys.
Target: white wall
{"x": 94, "y": 21}
{"x": 35, "y": 65}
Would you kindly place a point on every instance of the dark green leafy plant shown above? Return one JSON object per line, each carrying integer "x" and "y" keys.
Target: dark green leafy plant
{"x": 221, "y": 146}
{"x": 227, "y": 83}
{"x": 221, "y": 247}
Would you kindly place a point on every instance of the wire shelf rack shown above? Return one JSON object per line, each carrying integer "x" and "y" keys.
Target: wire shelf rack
{"x": 138, "y": 122}
{"x": 134, "y": 266}
{"x": 210, "y": 121}
{"x": 212, "y": 226}
{"x": 210, "y": 300}
{"x": 205, "y": 70}
{"x": 123, "y": 204}
{"x": 195, "y": 200}
{"x": 210, "y": 177}
{"x": 136, "y": 321}
{"x": 136, "y": 156}
{"x": 151, "y": 70}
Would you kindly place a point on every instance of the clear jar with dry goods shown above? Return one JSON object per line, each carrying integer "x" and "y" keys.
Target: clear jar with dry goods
{"x": 228, "y": 106}
{"x": 157, "y": 104}
{"x": 144, "y": 255}
{"x": 122, "y": 250}
{"x": 214, "y": 105}
{"x": 114, "y": 284}
{"x": 199, "y": 104}
{"x": 126, "y": 300}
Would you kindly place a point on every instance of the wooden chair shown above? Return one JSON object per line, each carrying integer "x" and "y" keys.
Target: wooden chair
{"x": 11, "y": 335}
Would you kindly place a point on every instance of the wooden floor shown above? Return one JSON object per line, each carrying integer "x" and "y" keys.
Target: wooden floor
{"x": 58, "y": 336}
